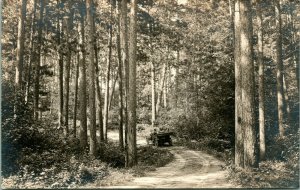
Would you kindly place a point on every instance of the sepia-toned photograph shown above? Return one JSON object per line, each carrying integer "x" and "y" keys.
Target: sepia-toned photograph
{"x": 150, "y": 94}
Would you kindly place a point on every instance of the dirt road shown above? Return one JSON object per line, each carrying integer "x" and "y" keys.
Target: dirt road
{"x": 190, "y": 169}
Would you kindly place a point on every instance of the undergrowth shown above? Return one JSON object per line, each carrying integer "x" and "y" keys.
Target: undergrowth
{"x": 280, "y": 170}
{"x": 48, "y": 162}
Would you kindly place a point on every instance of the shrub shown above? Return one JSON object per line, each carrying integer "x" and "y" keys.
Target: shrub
{"x": 112, "y": 154}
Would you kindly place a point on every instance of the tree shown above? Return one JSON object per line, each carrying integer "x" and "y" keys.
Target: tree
{"x": 99, "y": 98}
{"x": 20, "y": 57}
{"x": 279, "y": 67}
{"x": 131, "y": 138}
{"x": 161, "y": 88}
{"x": 76, "y": 96}
{"x": 286, "y": 99}
{"x": 247, "y": 66}
{"x": 124, "y": 55}
{"x": 60, "y": 70}
{"x": 37, "y": 64}
{"x": 82, "y": 85}
{"x": 120, "y": 76}
{"x": 91, "y": 71}
{"x": 30, "y": 57}
{"x": 153, "y": 88}
{"x": 109, "y": 59}
{"x": 68, "y": 26}
{"x": 261, "y": 90}
{"x": 239, "y": 143}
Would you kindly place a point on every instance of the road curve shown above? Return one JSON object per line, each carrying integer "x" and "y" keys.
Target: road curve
{"x": 190, "y": 169}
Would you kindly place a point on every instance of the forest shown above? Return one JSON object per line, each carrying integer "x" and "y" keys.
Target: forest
{"x": 86, "y": 84}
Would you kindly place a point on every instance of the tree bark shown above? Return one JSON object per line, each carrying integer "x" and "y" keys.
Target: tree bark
{"x": 120, "y": 81}
{"x": 153, "y": 91}
{"x": 106, "y": 101}
{"x": 160, "y": 91}
{"x": 132, "y": 152}
{"x": 99, "y": 98}
{"x": 261, "y": 88}
{"x": 111, "y": 97}
{"x": 82, "y": 86}
{"x": 20, "y": 59}
{"x": 166, "y": 86}
{"x": 248, "y": 119}
{"x": 60, "y": 71}
{"x": 279, "y": 67}
{"x": 68, "y": 23}
{"x": 91, "y": 71}
{"x": 76, "y": 97}
{"x": 296, "y": 54}
{"x": 124, "y": 54}
{"x": 31, "y": 54}
{"x": 286, "y": 100}
{"x": 37, "y": 64}
{"x": 176, "y": 78}
{"x": 239, "y": 142}
{"x": 20, "y": 46}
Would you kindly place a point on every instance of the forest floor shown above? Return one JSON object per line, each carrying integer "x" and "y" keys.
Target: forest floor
{"x": 189, "y": 169}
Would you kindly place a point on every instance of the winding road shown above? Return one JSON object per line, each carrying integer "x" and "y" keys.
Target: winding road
{"x": 189, "y": 169}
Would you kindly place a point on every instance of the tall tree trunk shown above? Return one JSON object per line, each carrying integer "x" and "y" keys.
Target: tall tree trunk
{"x": 20, "y": 47}
{"x": 20, "y": 58}
{"x": 160, "y": 91}
{"x": 99, "y": 98}
{"x": 111, "y": 97}
{"x": 165, "y": 90}
{"x": 232, "y": 16}
{"x": 279, "y": 69}
{"x": 120, "y": 81}
{"x": 60, "y": 71}
{"x": 248, "y": 119}
{"x": 91, "y": 71}
{"x": 176, "y": 78}
{"x": 68, "y": 23}
{"x": 296, "y": 54}
{"x": 124, "y": 53}
{"x": 153, "y": 91}
{"x": 76, "y": 97}
{"x": 82, "y": 86}
{"x": 31, "y": 54}
{"x": 261, "y": 88}
{"x": 239, "y": 139}
{"x": 286, "y": 100}
{"x": 132, "y": 152}
{"x": 37, "y": 64}
{"x": 106, "y": 101}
